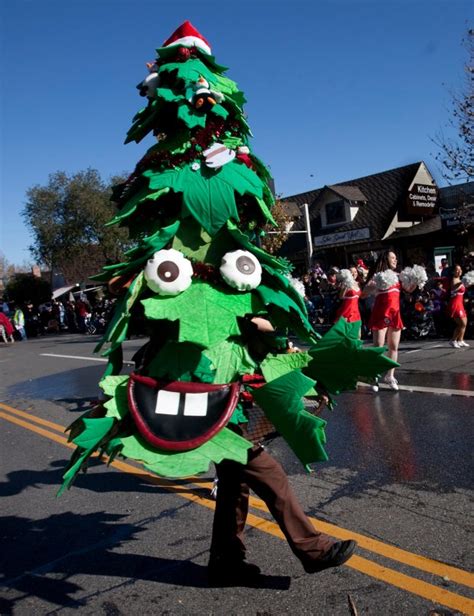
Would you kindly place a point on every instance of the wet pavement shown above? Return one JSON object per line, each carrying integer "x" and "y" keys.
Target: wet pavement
{"x": 437, "y": 379}
{"x": 400, "y": 471}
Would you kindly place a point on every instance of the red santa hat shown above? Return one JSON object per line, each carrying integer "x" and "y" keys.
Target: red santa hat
{"x": 187, "y": 36}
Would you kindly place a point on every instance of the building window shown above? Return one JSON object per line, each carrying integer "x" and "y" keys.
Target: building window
{"x": 335, "y": 212}
{"x": 317, "y": 224}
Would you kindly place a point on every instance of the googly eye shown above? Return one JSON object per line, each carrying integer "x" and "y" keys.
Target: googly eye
{"x": 241, "y": 270}
{"x": 168, "y": 272}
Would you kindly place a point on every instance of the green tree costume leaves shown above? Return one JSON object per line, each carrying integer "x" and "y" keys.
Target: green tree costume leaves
{"x": 209, "y": 196}
{"x": 339, "y": 359}
{"x": 215, "y": 310}
{"x": 281, "y": 399}
{"x": 177, "y": 198}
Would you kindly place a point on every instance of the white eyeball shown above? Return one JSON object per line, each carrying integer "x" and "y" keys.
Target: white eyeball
{"x": 168, "y": 272}
{"x": 241, "y": 270}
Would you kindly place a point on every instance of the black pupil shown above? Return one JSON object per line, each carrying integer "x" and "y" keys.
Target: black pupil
{"x": 245, "y": 265}
{"x": 168, "y": 271}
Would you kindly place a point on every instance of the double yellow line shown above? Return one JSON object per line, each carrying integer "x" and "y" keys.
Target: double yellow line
{"x": 431, "y": 592}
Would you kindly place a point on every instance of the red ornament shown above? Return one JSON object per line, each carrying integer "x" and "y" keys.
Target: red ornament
{"x": 246, "y": 396}
{"x": 183, "y": 54}
{"x": 245, "y": 158}
{"x": 206, "y": 271}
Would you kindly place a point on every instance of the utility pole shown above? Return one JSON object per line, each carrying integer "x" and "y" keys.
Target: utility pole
{"x": 306, "y": 231}
{"x": 309, "y": 241}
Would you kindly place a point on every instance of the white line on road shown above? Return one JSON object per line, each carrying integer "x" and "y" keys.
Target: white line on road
{"x": 102, "y": 359}
{"x": 435, "y": 346}
{"x": 430, "y": 390}
{"x": 419, "y": 388}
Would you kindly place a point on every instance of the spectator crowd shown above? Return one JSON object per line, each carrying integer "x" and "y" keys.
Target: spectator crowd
{"x": 84, "y": 316}
{"x": 424, "y": 312}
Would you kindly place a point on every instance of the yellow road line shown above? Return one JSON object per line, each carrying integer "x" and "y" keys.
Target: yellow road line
{"x": 460, "y": 576}
{"x": 38, "y": 420}
{"x": 363, "y": 565}
{"x": 417, "y": 561}
{"x": 46, "y": 433}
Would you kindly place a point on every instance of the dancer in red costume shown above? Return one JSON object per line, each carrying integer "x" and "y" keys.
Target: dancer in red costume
{"x": 349, "y": 295}
{"x": 385, "y": 321}
{"x": 456, "y": 309}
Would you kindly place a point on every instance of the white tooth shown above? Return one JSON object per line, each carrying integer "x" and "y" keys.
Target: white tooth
{"x": 167, "y": 402}
{"x": 195, "y": 405}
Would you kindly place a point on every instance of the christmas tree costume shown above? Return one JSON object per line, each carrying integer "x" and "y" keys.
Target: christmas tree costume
{"x": 196, "y": 205}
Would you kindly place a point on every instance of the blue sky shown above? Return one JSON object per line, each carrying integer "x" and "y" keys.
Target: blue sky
{"x": 336, "y": 89}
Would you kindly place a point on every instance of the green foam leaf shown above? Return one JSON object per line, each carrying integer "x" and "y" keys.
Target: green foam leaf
{"x": 225, "y": 445}
{"x": 281, "y": 400}
{"x": 207, "y": 315}
{"x": 339, "y": 359}
{"x": 208, "y": 195}
{"x": 230, "y": 360}
{"x": 274, "y": 366}
{"x": 181, "y": 361}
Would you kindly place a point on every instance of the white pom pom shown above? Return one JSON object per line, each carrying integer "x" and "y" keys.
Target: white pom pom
{"x": 468, "y": 279}
{"x": 385, "y": 280}
{"x": 413, "y": 277}
{"x": 346, "y": 279}
{"x": 297, "y": 285}
{"x": 243, "y": 149}
{"x": 420, "y": 276}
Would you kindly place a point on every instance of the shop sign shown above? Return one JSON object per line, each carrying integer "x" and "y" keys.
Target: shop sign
{"x": 343, "y": 237}
{"x": 455, "y": 217}
{"x": 422, "y": 199}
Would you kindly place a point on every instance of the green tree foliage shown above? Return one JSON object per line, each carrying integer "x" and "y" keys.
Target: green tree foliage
{"x": 67, "y": 218}
{"x": 456, "y": 149}
{"x": 23, "y": 288}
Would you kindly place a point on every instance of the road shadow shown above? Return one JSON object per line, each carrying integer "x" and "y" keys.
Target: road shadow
{"x": 39, "y": 558}
{"x": 78, "y": 384}
{"x": 99, "y": 482}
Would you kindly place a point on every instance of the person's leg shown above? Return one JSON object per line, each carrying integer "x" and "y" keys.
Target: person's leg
{"x": 454, "y": 337}
{"x": 378, "y": 337}
{"x": 457, "y": 329}
{"x": 393, "y": 342}
{"x": 227, "y": 565}
{"x": 230, "y": 513}
{"x": 265, "y": 476}
{"x": 462, "y": 330}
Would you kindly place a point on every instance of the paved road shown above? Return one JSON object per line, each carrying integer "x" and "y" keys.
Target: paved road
{"x": 122, "y": 542}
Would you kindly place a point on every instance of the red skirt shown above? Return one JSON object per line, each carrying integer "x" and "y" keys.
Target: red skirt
{"x": 349, "y": 308}
{"x": 455, "y": 308}
{"x": 386, "y": 310}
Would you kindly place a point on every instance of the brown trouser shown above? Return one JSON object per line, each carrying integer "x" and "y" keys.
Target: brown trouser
{"x": 265, "y": 476}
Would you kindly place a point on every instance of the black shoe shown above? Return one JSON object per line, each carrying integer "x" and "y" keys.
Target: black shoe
{"x": 337, "y": 555}
{"x": 232, "y": 573}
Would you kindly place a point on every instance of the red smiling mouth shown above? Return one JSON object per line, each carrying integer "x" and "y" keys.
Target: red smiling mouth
{"x": 179, "y": 416}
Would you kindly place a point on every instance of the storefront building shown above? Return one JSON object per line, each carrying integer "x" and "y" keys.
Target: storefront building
{"x": 401, "y": 209}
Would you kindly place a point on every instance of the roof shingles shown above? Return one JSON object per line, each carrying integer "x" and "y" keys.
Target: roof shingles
{"x": 384, "y": 194}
